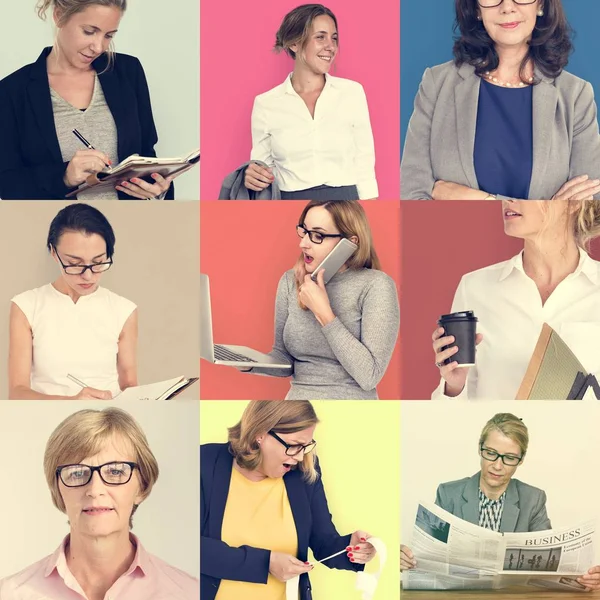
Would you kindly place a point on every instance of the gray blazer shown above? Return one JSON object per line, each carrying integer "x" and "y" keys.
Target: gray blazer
{"x": 441, "y": 133}
{"x": 524, "y": 505}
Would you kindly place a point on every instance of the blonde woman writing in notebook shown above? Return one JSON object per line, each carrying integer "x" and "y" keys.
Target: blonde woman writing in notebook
{"x": 553, "y": 280}
{"x": 263, "y": 505}
{"x": 339, "y": 338}
{"x": 73, "y": 329}
{"x": 313, "y": 130}
{"x": 100, "y": 470}
{"x": 78, "y": 84}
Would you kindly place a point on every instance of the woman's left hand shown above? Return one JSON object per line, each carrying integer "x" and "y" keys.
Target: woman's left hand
{"x": 360, "y": 551}
{"x": 446, "y": 190}
{"x": 138, "y": 188}
{"x": 314, "y": 297}
{"x": 591, "y": 579}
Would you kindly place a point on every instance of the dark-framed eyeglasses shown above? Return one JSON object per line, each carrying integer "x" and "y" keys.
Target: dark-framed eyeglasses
{"x": 316, "y": 237}
{"x": 81, "y": 269}
{"x": 494, "y": 3}
{"x": 294, "y": 449}
{"x": 510, "y": 460}
{"x": 112, "y": 473}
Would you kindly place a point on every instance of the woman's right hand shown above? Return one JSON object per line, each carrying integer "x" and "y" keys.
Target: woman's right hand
{"x": 83, "y": 164}
{"x": 578, "y": 188}
{"x": 258, "y": 178}
{"x": 285, "y": 566}
{"x": 407, "y": 558}
{"x": 88, "y": 393}
{"x": 455, "y": 377}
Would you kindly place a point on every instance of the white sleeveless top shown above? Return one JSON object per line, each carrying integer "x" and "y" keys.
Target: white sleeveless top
{"x": 79, "y": 339}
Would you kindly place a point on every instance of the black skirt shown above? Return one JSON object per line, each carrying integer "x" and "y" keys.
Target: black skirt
{"x": 323, "y": 192}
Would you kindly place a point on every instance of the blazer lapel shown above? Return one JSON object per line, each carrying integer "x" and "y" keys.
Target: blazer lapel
{"x": 296, "y": 492}
{"x": 470, "y": 508}
{"x": 220, "y": 491}
{"x": 545, "y": 99}
{"x": 38, "y": 91}
{"x": 510, "y": 512}
{"x": 466, "y": 96}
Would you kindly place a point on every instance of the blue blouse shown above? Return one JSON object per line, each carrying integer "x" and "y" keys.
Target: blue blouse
{"x": 503, "y": 153}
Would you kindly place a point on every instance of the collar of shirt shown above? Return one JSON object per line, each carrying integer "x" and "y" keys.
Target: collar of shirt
{"x": 289, "y": 88}
{"x": 485, "y": 501}
{"x": 586, "y": 265}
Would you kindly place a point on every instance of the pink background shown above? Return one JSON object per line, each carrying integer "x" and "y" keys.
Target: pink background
{"x": 245, "y": 248}
{"x": 237, "y": 64}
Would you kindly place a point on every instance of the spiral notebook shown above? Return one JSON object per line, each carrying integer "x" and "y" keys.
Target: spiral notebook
{"x": 163, "y": 390}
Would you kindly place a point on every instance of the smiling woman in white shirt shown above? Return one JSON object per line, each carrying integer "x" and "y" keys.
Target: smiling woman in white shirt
{"x": 72, "y": 338}
{"x": 313, "y": 130}
{"x": 553, "y": 280}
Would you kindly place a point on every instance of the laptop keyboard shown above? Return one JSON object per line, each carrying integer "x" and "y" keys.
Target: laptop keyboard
{"x": 222, "y": 353}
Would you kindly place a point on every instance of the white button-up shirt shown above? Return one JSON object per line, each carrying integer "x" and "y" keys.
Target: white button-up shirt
{"x": 334, "y": 148}
{"x": 511, "y": 315}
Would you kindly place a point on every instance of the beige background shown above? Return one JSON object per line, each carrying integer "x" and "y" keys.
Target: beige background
{"x": 156, "y": 265}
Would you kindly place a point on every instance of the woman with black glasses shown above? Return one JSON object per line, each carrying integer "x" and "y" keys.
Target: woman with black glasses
{"x": 504, "y": 119}
{"x": 338, "y": 337}
{"x": 263, "y": 505}
{"x": 72, "y": 338}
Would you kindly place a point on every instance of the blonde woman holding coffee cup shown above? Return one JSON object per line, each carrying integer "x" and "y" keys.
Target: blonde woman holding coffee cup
{"x": 552, "y": 280}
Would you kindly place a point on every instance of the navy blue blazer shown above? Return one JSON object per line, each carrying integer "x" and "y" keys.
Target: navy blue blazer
{"x": 311, "y": 516}
{"x": 31, "y": 165}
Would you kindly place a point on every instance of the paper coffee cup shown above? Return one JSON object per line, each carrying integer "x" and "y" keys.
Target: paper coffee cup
{"x": 463, "y": 326}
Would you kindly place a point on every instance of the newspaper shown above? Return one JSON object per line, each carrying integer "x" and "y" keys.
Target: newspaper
{"x": 454, "y": 554}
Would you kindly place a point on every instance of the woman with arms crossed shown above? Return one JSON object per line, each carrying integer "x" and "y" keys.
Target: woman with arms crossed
{"x": 553, "y": 280}
{"x": 73, "y": 327}
{"x": 313, "y": 130}
{"x": 79, "y": 83}
{"x": 504, "y": 119}
{"x": 263, "y": 505}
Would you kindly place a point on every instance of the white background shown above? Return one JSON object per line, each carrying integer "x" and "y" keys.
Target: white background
{"x": 439, "y": 442}
{"x": 167, "y": 522}
{"x": 165, "y": 36}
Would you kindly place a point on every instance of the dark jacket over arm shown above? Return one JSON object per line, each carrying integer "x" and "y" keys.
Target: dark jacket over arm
{"x": 313, "y": 522}
{"x": 31, "y": 165}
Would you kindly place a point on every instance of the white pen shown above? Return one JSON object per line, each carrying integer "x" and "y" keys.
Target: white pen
{"x": 336, "y": 554}
{"x": 77, "y": 381}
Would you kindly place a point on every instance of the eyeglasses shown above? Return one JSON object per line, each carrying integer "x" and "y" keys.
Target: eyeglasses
{"x": 510, "y": 460}
{"x": 112, "y": 473}
{"x": 316, "y": 237}
{"x": 294, "y": 449}
{"x": 494, "y": 3}
{"x": 81, "y": 269}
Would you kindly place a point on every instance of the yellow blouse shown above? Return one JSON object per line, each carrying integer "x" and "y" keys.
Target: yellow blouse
{"x": 257, "y": 514}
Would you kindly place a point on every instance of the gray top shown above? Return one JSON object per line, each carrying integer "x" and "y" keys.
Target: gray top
{"x": 95, "y": 123}
{"x": 440, "y": 138}
{"x": 524, "y": 505}
{"x": 346, "y": 359}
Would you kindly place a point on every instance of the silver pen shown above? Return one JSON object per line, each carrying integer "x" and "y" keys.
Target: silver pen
{"x": 77, "y": 381}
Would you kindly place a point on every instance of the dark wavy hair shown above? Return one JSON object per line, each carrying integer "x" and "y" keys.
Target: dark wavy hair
{"x": 549, "y": 47}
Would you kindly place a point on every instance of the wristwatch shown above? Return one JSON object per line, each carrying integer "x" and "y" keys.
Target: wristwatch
{"x": 491, "y": 197}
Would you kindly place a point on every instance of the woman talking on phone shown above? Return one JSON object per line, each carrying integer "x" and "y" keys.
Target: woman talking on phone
{"x": 312, "y": 131}
{"x": 80, "y": 84}
{"x": 504, "y": 119}
{"x": 338, "y": 337}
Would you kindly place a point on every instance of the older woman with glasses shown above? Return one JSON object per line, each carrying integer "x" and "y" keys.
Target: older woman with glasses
{"x": 338, "y": 338}
{"x": 100, "y": 468}
{"x": 72, "y": 338}
{"x": 504, "y": 119}
{"x": 263, "y": 505}
{"x": 492, "y": 498}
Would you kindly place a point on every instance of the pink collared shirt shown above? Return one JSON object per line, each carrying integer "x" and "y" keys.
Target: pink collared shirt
{"x": 148, "y": 578}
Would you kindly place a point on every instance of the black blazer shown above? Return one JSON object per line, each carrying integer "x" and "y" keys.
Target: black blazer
{"x": 311, "y": 516}
{"x": 31, "y": 165}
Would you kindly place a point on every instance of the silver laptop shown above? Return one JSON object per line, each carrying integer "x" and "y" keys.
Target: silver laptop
{"x": 225, "y": 354}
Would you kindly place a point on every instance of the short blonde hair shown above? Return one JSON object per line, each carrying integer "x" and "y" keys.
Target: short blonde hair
{"x": 510, "y": 426}
{"x": 84, "y": 433}
{"x": 280, "y": 416}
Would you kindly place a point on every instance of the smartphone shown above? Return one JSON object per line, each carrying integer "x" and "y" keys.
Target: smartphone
{"x": 333, "y": 262}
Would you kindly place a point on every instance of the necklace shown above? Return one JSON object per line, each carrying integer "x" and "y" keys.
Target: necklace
{"x": 494, "y": 79}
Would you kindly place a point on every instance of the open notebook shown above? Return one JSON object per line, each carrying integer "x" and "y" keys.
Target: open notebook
{"x": 138, "y": 166}
{"x": 163, "y": 390}
{"x": 554, "y": 372}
